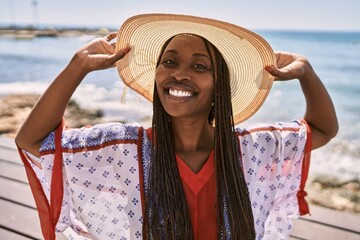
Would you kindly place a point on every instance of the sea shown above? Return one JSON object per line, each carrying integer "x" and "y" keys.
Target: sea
{"x": 30, "y": 65}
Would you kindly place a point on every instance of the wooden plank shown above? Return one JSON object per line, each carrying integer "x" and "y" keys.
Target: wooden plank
{"x": 296, "y": 238}
{"x": 60, "y": 236}
{"x": 9, "y": 154}
{"x": 9, "y": 235}
{"x": 343, "y": 220}
{"x": 19, "y": 218}
{"x": 11, "y": 165}
{"x": 7, "y": 142}
{"x": 16, "y": 192}
{"x": 316, "y": 231}
{"x": 8, "y": 150}
{"x": 13, "y": 171}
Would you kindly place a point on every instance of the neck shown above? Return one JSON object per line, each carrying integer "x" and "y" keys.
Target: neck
{"x": 192, "y": 136}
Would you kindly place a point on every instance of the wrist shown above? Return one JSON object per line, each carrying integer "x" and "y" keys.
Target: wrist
{"x": 75, "y": 70}
{"x": 78, "y": 67}
{"x": 309, "y": 72}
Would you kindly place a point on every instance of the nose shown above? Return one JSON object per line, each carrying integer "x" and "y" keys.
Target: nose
{"x": 181, "y": 73}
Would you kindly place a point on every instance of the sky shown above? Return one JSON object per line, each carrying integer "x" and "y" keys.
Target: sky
{"x": 318, "y": 15}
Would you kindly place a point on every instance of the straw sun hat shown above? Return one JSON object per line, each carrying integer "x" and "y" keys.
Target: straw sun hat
{"x": 245, "y": 53}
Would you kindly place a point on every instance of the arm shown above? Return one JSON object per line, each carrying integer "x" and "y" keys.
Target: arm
{"x": 49, "y": 109}
{"x": 320, "y": 113}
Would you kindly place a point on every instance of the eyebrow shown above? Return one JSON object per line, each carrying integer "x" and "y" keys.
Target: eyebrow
{"x": 194, "y": 55}
{"x": 201, "y": 55}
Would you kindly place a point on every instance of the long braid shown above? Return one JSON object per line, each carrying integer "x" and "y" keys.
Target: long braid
{"x": 167, "y": 215}
{"x": 232, "y": 192}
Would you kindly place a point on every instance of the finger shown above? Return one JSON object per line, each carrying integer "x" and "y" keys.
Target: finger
{"x": 108, "y": 47}
{"x": 110, "y": 36}
{"x": 283, "y": 73}
{"x": 107, "y": 44}
{"x": 118, "y": 55}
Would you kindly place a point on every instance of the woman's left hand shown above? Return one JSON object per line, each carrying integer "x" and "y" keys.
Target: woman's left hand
{"x": 320, "y": 113}
{"x": 289, "y": 66}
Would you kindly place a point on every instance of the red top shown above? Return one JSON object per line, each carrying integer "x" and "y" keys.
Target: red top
{"x": 200, "y": 193}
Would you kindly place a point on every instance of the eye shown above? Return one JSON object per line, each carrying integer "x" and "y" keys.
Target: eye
{"x": 200, "y": 66}
{"x": 168, "y": 62}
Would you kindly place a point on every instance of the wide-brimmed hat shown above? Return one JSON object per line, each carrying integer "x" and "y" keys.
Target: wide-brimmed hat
{"x": 245, "y": 52}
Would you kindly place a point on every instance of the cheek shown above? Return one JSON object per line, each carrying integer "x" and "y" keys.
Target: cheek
{"x": 160, "y": 72}
{"x": 211, "y": 92}
{"x": 209, "y": 85}
{"x": 160, "y": 77}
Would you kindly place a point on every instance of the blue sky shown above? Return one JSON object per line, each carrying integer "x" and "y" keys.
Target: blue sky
{"x": 339, "y": 15}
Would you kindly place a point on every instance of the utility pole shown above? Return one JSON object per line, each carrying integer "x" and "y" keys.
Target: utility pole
{"x": 13, "y": 13}
{"x": 36, "y": 13}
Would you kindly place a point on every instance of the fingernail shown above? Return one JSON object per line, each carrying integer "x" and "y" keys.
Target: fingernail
{"x": 269, "y": 69}
{"x": 126, "y": 50}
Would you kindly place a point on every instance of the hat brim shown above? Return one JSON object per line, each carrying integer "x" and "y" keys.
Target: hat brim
{"x": 246, "y": 55}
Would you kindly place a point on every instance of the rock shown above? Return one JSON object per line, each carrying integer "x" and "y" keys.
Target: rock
{"x": 330, "y": 192}
{"x": 14, "y": 109}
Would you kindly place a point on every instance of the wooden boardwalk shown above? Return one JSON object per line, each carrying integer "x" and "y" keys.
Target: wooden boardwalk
{"x": 19, "y": 219}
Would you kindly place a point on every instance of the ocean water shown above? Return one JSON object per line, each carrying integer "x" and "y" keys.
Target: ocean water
{"x": 28, "y": 66}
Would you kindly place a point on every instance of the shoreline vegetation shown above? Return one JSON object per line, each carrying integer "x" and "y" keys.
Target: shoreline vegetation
{"x": 326, "y": 191}
{"x": 29, "y": 32}
{"x": 33, "y": 31}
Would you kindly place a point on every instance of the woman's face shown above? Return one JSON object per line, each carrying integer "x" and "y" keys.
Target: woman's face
{"x": 184, "y": 78}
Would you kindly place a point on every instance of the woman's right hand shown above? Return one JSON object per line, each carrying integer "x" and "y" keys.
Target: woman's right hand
{"x": 49, "y": 110}
{"x": 99, "y": 54}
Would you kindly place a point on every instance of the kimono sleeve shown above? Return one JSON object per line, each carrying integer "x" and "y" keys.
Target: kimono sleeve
{"x": 275, "y": 160}
{"x": 86, "y": 182}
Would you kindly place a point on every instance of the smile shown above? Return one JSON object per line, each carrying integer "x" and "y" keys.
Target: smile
{"x": 180, "y": 93}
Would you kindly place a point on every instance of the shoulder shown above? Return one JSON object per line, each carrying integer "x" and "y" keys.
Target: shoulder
{"x": 294, "y": 126}
{"x": 95, "y": 136}
{"x": 285, "y": 133}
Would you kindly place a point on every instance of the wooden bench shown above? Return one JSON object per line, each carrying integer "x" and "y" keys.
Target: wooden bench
{"x": 19, "y": 219}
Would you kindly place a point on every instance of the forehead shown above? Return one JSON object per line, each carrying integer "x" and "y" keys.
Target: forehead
{"x": 186, "y": 40}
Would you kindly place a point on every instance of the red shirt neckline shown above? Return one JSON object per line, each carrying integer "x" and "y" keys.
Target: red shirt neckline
{"x": 200, "y": 193}
{"x": 196, "y": 181}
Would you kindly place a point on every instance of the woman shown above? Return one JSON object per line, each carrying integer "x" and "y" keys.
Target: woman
{"x": 192, "y": 175}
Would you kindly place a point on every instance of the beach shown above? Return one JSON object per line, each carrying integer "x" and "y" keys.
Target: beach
{"x": 28, "y": 65}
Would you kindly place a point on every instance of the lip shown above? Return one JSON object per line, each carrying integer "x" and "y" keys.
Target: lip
{"x": 181, "y": 86}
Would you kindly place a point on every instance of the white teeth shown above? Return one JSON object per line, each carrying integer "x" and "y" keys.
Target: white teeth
{"x": 179, "y": 93}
